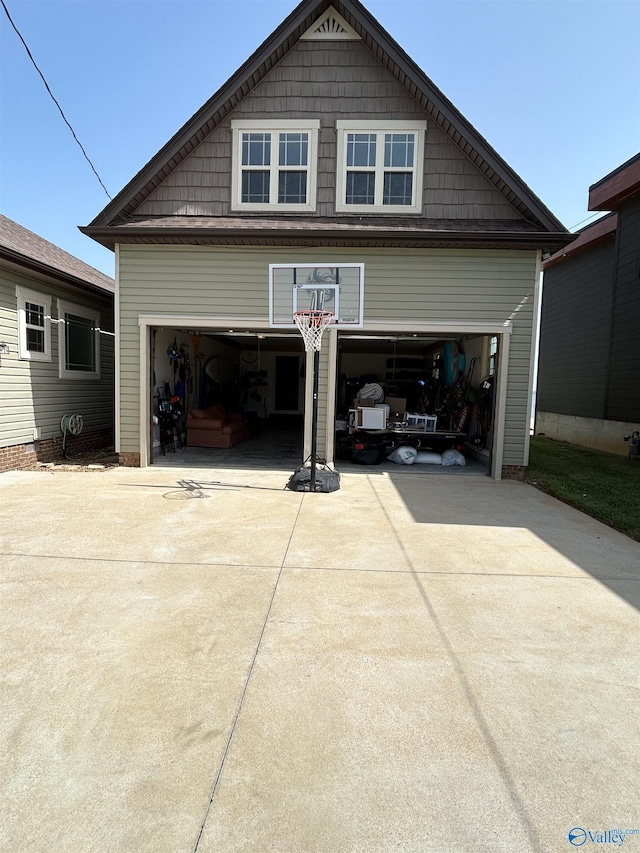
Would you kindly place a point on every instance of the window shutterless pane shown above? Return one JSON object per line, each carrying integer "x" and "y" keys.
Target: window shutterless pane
{"x": 361, "y": 149}
{"x": 255, "y": 187}
{"x": 34, "y": 314}
{"x": 35, "y": 340}
{"x": 398, "y": 150}
{"x": 294, "y": 149}
{"x": 256, "y": 149}
{"x": 292, "y": 188}
{"x": 360, "y": 188}
{"x": 80, "y": 343}
{"x": 397, "y": 188}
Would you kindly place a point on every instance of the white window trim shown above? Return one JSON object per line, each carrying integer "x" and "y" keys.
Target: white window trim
{"x": 240, "y": 126}
{"x": 89, "y": 314}
{"x": 23, "y": 296}
{"x": 344, "y": 127}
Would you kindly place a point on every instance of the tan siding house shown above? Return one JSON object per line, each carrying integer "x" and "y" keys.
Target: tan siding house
{"x": 328, "y": 150}
{"x": 56, "y": 350}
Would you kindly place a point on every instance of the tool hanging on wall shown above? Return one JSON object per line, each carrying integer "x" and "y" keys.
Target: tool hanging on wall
{"x": 188, "y": 374}
{"x": 174, "y": 357}
{"x": 198, "y": 358}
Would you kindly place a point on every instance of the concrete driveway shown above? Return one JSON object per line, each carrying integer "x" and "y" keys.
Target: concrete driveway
{"x": 197, "y": 660}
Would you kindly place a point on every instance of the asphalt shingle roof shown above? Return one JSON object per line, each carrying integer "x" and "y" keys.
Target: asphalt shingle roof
{"x": 19, "y": 244}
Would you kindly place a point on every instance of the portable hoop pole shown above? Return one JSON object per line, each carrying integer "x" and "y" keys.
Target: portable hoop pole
{"x": 314, "y": 420}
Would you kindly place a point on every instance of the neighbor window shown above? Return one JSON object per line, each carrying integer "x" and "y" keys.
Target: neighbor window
{"x": 274, "y": 166}
{"x": 78, "y": 342}
{"x": 380, "y": 167}
{"x": 34, "y": 325}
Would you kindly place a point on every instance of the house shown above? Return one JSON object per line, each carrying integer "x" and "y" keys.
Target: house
{"x": 56, "y": 351}
{"x": 328, "y": 167}
{"x": 589, "y": 365}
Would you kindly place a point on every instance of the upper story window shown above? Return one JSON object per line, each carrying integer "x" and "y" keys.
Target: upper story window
{"x": 274, "y": 165}
{"x": 34, "y": 325}
{"x": 380, "y": 166}
{"x": 78, "y": 341}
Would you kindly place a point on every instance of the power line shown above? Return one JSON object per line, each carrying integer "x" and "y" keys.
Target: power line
{"x": 86, "y": 156}
{"x": 573, "y": 227}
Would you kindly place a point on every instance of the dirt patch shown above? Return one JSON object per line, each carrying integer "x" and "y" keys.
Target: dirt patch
{"x": 95, "y": 461}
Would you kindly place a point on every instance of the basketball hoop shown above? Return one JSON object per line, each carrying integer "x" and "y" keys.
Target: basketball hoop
{"x": 312, "y": 325}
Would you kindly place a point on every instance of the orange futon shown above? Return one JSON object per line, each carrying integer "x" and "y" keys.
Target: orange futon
{"x": 215, "y": 427}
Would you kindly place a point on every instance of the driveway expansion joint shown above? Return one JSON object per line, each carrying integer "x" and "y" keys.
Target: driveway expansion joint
{"x": 245, "y": 688}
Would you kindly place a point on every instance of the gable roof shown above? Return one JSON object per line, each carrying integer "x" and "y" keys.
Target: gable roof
{"x": 23, "y": 247}
{"x": 390, "y": 54}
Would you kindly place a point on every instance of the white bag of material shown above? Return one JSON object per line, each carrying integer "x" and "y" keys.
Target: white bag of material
{"x": 426, "y": 456}
{"x": 372, "y": 391}
{"x": 403, "y": 455}
{"x": 453, "y": 457}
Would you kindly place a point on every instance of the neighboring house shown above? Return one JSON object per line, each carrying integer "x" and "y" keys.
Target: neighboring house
{"x": 589, "y": 365}
{"x": 328, "y": 154}
{"x": 56, "y": 350}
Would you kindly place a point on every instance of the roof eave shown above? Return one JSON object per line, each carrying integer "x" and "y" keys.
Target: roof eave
{"x": 594, "y": 235}
{"x": 617, "y": 187}
{"x": 25, "y": 262}
{"x": 109, "y": 236}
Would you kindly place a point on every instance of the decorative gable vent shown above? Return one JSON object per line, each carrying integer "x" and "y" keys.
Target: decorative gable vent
{"x": 330, "y": 26}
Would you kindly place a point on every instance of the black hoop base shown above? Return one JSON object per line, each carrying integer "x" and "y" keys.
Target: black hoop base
{"x": 325, "y": 480}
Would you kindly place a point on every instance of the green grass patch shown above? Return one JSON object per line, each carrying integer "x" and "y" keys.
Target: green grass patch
{"x": 602, "y": 485}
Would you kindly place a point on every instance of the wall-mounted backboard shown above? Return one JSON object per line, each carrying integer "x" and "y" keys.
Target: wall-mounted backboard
{"x": 338, "y": 288}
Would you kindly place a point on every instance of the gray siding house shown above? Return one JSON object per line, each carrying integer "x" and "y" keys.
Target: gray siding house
{"x": 56, "y": 350}
{"x": 589, "y": 366}
{"x": 328, "y": 149}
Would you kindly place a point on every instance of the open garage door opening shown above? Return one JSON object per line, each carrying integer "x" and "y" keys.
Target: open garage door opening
{"x": 233, "y": 397}
{"x": 416, "y": 402}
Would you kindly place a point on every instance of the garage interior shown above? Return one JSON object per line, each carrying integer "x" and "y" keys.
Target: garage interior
{"x": 423, "y": 378}
{"x": 258, "y": 377}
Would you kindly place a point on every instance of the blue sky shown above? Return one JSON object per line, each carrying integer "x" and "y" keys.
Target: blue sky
{"x": 554, "y": 87}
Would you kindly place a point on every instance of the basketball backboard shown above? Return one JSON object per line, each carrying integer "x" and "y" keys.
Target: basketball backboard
{"x": 331, "y": 287}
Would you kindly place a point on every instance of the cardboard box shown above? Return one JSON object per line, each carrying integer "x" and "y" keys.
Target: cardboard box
{"x": 363, "y": 402}
{"x": 397, "y": 405}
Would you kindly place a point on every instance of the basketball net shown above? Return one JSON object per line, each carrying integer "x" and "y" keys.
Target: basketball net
{"x": 312, "y": 325}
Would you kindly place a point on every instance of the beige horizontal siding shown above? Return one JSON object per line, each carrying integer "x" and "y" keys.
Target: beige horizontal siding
{"x": 33, "y": 395}
{"x": 446, "y": 286}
